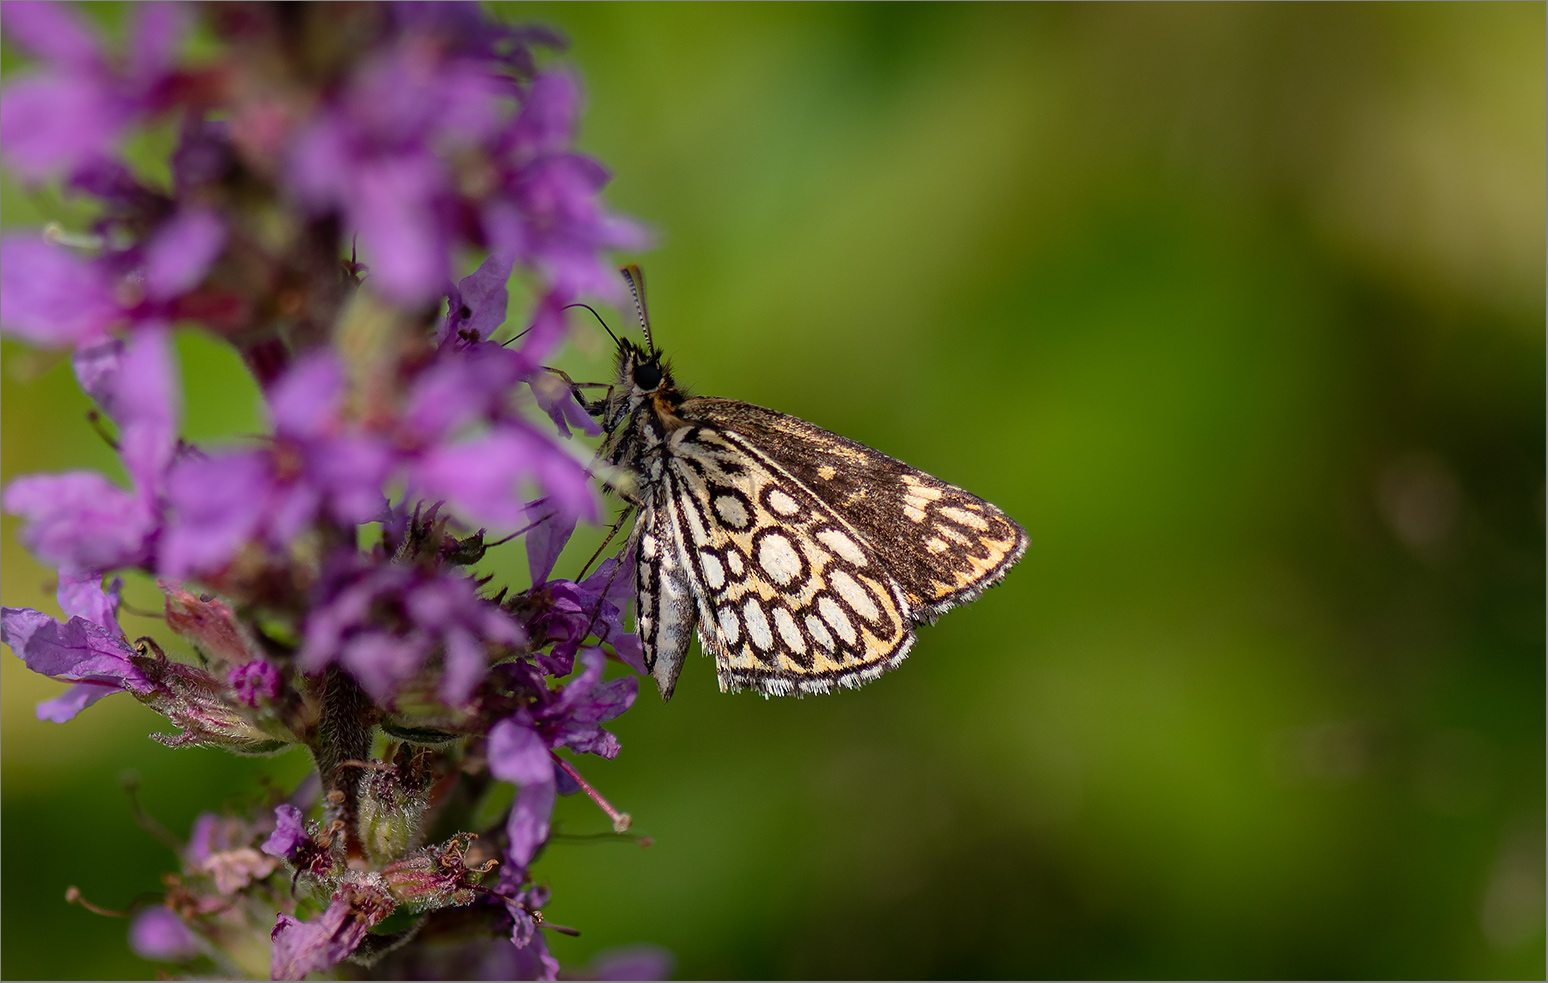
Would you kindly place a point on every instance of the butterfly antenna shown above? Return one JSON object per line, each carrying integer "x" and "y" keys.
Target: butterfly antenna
{"x": 599, "y": 321}
{"x": 636, "y": 278}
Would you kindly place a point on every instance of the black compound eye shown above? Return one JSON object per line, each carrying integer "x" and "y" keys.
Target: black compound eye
{"x": 647, "y": 375}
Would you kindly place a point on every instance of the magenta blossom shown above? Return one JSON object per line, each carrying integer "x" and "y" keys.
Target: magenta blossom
{"x": 74, "y": 108}
{"x": 314, "y": 463}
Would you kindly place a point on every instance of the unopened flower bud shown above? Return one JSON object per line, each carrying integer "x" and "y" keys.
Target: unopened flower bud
{"x": 390, "y": 812}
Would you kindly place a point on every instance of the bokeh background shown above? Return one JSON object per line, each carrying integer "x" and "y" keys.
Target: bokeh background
{"x": 1238, "y": 309}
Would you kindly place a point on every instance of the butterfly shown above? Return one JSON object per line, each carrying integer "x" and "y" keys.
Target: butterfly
{"x": 802, "y": 558}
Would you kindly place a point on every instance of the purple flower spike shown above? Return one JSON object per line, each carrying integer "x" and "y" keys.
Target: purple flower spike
{"x": 289, "y": 832}
{"x": 328, "y": 576}
{"x": 159, "y": 935}
{"x": 519, "y": 756}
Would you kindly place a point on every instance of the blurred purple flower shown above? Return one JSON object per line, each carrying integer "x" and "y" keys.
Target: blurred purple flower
{"x": 222, "y": 501}
{"x": 72, "y": 110}
{"x": 630, "y": 962}
{"x": 289, "y": 832}
{"x": 81, "y": 521}
{"x": 159, "y": 935}
{"x": 546, "y": 212}
{"x": 309, "y": 947}
{"x": 379, "y": 154}
{"x": 382, "y": 622}
{"x": 52, "y": 297}
{"x": 254, "y": 681}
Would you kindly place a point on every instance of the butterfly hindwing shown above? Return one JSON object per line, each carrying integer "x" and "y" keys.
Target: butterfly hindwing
{"x": 790, "y": 599}
{"x": 942, "y": 544}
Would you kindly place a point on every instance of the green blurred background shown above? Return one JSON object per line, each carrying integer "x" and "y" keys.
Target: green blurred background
{"x": 1238, "y": 309}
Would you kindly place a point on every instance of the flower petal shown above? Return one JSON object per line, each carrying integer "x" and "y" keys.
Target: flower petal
{"x": 181, "y": 251}
{"x": 80, "y": 520}
{"x": 49, "y": 296}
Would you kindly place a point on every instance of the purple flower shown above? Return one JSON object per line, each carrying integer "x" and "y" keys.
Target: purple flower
{"x": 254, "y": 681}
{"x": 520, "y": 751}
{"x": 530, "y": 959}
{"x": 310, "y": 947}
{"x": 551, "y": 529}
{"x": 289, "y": 832}
{"x": 566, "y": 613}
{"x": 382, "y": 622}
{"x": 630, "y": 962}
{"x": 81, "y": 521}
{"x": 573, "y": 719}
{"x": 546, "y": 212}
{"x": 72, "y": 111}
{"x": 50, "y": 296}
{"x": 312, "y": 464}
{"x": 379, "y": 154}
{"x": 480, "y": 476}
{"x": 88, "y": 649}
{"x": 159, "y": 935}
{"x": 517, "y": 754}
{"x": 476, "y": 306}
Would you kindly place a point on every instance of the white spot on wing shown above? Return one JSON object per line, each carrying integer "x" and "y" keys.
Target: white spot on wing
{"x": 731, "y": 511}
{"x": 778, "y": 558}
{"x": 912, "y": 512}
{"x": 854, "y": 595}
{"x": 819, "y": 632}
{"x": 843, "y": 546}
{"x": 714, "y": 573}
{"x": 782, "y": 503}
{"x": 730, "y": 627}
{"x": 966, "y": 518}
{"x": 834, "y": 616}
{"x": 734, "y": 561}
{"x": 757, "y": 625}
{"x": 788, "y": 631}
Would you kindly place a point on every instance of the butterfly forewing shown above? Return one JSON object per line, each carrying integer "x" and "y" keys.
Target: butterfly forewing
{"x": 943, "y": 545}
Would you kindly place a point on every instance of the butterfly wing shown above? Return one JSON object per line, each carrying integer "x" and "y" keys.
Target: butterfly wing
{"x": 943, "y": 545}
{"x": 789, "y": 598}
{"x": 665, "y": 610}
